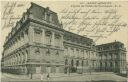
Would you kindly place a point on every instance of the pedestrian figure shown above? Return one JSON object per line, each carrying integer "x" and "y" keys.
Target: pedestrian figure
{"x": 31, "y": 75}
{"x": 48, "y": 76}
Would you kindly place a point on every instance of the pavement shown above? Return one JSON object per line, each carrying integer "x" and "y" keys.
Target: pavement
{"x": 86, "y": 77}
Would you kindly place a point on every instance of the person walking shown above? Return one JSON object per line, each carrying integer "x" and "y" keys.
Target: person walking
{"x": 48, "y": 77}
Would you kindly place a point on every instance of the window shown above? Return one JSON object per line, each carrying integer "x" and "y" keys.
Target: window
{"x": 105, "y": 64}
{"x": 82, "y": 64}
{"x": 72, "y": 63}
{"x": 22, "y": 34}
{"x": 116, "y": 64}
{"x": 48, "y": 37}
{"x": 110, "y": 64}
{"x": 37, "y": 35}
{"x": 66, "y": 51}
{"x": 87, "y": 62}
{"x": 57, "y": 40}
{"x": 100, "y": 64}
{"x": 37, "y": 51}
{"x": 26, "y": 31}
{"x": 48, "y": 52}
{"x": 57, "y": 53}
{"x": 48, "y": 17}
{"x": 66, "y": 62}
{"x": 77, "y": 63}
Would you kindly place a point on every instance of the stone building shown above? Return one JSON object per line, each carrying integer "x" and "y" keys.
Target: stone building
{"x": 112, "y": 57}
{"x": 39, "y": 44}
{"x": 79, "y": 53}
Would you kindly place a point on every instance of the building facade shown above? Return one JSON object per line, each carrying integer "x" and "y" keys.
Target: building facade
{"x": 39, "y": 44}
{"x": 112, "y": 57}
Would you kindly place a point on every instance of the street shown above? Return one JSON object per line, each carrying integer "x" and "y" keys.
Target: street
{"x": 93, "y": 77}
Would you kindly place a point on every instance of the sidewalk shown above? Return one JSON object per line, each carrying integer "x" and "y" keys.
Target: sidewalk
{"x": 52, "y": 75}
{"x": 96, "y": 76}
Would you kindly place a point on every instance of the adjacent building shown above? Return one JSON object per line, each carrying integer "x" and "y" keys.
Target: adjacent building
{"x": 39, "y": 44}
{"x": 112, "y": 57}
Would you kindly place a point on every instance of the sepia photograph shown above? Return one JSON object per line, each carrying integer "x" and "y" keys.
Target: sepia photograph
{"x": 64, "y": 41}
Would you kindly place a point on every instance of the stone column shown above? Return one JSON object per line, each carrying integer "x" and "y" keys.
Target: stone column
{"x": 43, "y": 36}
{"x": 61, "y": 41}
{"x": 31, "y": 34}
{"x": 75, "y": 52}
{"x": 9, "y": 60}
{"x": 26, "y": 37}
{"x": 17, "y": 41}
{"x": 22, "y": 56}
{"x": 69, "y": 51}
{"x": 53, "y": 39}
{"x": 14, "y": 59}
{"x": 26, "y": 55}
{"x": 19, "y": 58}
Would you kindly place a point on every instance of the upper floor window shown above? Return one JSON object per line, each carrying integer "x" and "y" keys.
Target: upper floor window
{"x": 37, "y": 51}
{"x": 57, "y": 40}
{"x": 37, "y": 35}
{"x": 57, "y": 53}
{"x": 36, "y": 31}
{"x": 66, "y": 51}
{"x": 82, "y": 63}
{"x": 48, "y": 37}
{"x": 48, "y": 52}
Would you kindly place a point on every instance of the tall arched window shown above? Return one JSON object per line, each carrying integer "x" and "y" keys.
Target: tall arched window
{"x": 105, "y": 64}
{"x": 82, "y": 63}
{"x": 66, "y": 62}
{"x": 48, "y": 37}
{"x": 110, "y": 64}
{"x": 72, "y": 63}
{"x": 37, "y": 35}
{"x": 57, "y": 40}
{"x": 77, "y": 63}
{"x": 100, "y": 64}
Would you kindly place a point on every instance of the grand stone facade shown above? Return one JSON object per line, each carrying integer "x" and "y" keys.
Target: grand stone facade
{"x": 112, "y": 57}
{"x": 39, "y": 44}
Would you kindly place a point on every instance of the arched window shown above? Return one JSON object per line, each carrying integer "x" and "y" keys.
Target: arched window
{"x": 48, "y": 52}
{"x": 66, "y": 62}
{"x": 48, "y": 37}
{"x": 82, "y": 63}
{"x": 57, "y": 40}
{"x": 116, "y": 64}
{"x": 72, "y": 63}
{"x": 22, "y": 34}
{"x": 100, "y": 64}
{"x": 37, "y": 35}
{"x": 57, "y": 53}
{"x": 37, "y": 51}
{"x": 105, "y": 64}
{"x": 26, "y": 31}
{"x": 110, "y": 64}
{"x": 77, "y": 63}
